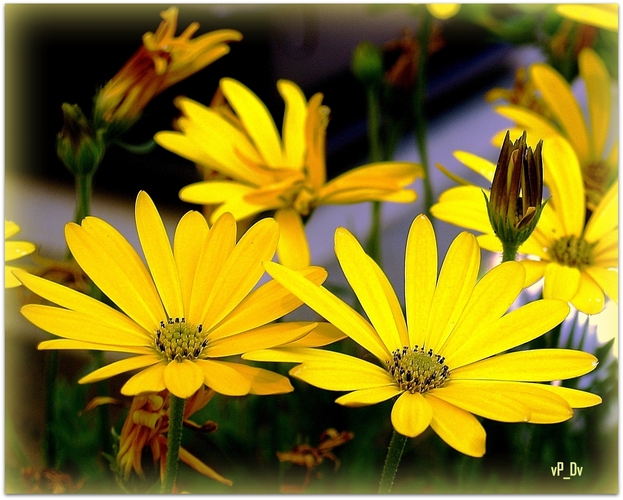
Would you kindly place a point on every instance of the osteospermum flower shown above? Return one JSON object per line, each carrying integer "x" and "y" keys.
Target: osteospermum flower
{"x": 578, "y": 257}
{"x": 444, "y": 362}
{"x": 269, "y": 172}
{"x": 162, "y": 60}
{"x": 13, "y": 250}
{"x": 193, "y": 306}
{"x": 588, "y": 136}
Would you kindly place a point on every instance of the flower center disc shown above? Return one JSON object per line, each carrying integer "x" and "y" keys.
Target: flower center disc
{"x": 180, "y": 340}
{"x": 573, "y": 252}
{"x": 418, "y": 370}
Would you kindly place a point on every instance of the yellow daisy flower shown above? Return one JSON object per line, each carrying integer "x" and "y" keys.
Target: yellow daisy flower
{"x": 269, "y": 172}
{"x": 162, "y": 60}
{"x": 13, "y": 250}
{"x": 577, "y": 257}
{"x": 602, "y": 15}
{"x": 193, "y": 306}
{"x": 589, "y": 137}
{"x": 443, "y": 361}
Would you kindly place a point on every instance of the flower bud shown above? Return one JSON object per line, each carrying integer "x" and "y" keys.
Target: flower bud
{"x": 516, "y": 192}
{"x": 78, "y": 145}
{"x": 367, "y": 63}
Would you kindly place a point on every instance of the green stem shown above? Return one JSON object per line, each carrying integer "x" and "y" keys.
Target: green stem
{"x": 420, "y": 118}
{"x": 174, "y": 440}
{"x": 49, "y": 441}
{"x": 84, "y": 188}
{"x": 509, "y": 251}
{"x": 394, "y": 454}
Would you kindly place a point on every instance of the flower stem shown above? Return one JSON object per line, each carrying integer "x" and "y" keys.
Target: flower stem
{"x": 420, "y": 118}
{"x": 509, "y": 251}
{"x": 84, "y": 188}
{"x": 373, "y": 246}
{"x": 394, "y": 454}
{"x": 174, "y": 440}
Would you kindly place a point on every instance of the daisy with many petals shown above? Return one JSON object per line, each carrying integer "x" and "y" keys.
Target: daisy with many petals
{"x": 588, "y": 136}
{"x": 268, "y": 172}
{"x": 13, "y": 250}
{"x": 578, "y": 257}
{"x": 443, "y": 362}
{"x": 162, "y": 60}
{"x": 192, "y": 305}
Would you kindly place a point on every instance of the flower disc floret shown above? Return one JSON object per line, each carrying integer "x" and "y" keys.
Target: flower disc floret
{"x": 573, "y": 252}
{"x": 418, "y": 370}
{"x": 178, "y": 340}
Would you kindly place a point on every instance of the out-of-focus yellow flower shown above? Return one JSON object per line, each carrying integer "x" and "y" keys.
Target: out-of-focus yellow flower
{"x": 194, "y": 304}
{"x": 600, "y": 15}
{"x": 270, "y": 172}
{"x": 589, "y": 137}
{"x": 443, "y": 10}
{"x": 13, "y": 250}
{"x": 146, "y": 425}
{"x": 578, "y": 257}
{"x": 443, "y": 361}
{"x": 162, "y": 60}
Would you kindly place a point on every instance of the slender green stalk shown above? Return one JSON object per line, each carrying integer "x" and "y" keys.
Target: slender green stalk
{"x": 84, "y": 188}
{"x": 392, "y": 460}
{"x": 174, "y": 440}
{"x": 373, "y": 246}
{"x": 49, "y": 441}
{"x": 420, "y": 118}
{"x": 509, "y": 252}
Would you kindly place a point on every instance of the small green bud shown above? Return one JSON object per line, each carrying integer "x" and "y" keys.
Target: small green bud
{"x": 367, "y": 64}
{"x": 79, "y": 146}
{"x": 516, "y": 193}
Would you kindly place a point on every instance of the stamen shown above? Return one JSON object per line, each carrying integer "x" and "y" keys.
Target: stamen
{"x": 418, "y": 370}
{"x": 178, "y": 340}
{"x": 573, "y": 252}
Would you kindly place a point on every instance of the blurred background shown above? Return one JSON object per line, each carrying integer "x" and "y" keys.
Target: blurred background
{"x": 64, "y": 53}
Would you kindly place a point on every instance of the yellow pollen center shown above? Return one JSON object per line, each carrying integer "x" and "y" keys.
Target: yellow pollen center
{"x": 178, "y": 340}
{"x": 418, "y": 370}
{"x": 573, "y": 252}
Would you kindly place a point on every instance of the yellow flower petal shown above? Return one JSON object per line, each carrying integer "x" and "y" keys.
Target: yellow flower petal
{"x": 330, "y": 307}
{"x": 600, "y": 15}
{"x": 575, "y": 398}
{"x": 564, "y": 180}
{"x": 183, "y": 379}
{"x": 71, "y": 299}
{"x": 607, "y": 279}
{"x": 411, "y": 414}
{"x": 477, "y": 164}
{"x": 513, "y": 329}
{"x": 213, "y": 192}
{"x": 124, "y": 365}
{"x": 190, "y": 236}
{"x": 79, "y": 344}
{"x": 263, "y": 382}
{"x": 10, "y": 229}
{"x": 457, "y": 427}
{"x": 294, "y": 354}
{"x": 224, "y": 378}
{"x": 526, "y": 119}
{"x": 17, "y": 249}
{"x": 420, "y": 276}
{"x": 373, "y": 290}
{"x": 265, "y": 304}
{"x": 262, "y": 337}
{"x": 215, "y": 252}
{"x": 456, "y": 281}
{"x": 463, "y": 206}
{"x": 293, "y": 124}
{"x": 348, "y": 374}
{"x": 116, "y": 269}
{"x": 538, "y": 365}
{"x": 605, "y": 218}
{"x": 241, "y": 271}
{"x": 157, "y": 249}
{"x": 10, "y": 281}
{"x": 443, "y": 10}
{"x": 560, "y": 100}
{"x": 293, "y": 249}
{"x": 150, "y": 379}
{"x": 202, "y": 468}
{"x": 561, "y": 282}
{"x": 365, "y": 397}
{"x": 80, "y": 326}
{"x": 491, "y": 297}
{"x": 589, "y": 297}
{"x": 323, "y": 334}
{"x": 595, "y": 76}
{"x": 256, "y": 120}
